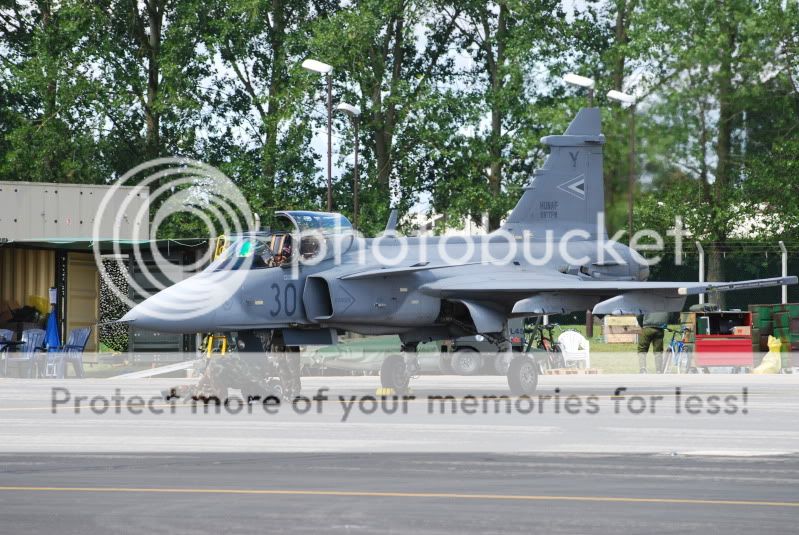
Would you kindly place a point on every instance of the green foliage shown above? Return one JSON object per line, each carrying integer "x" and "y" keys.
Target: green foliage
{"x": 113, "y": 335}
{"x": 455, "y": 96}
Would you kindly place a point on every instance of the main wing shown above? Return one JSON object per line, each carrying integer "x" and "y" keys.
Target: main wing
{"x": 555, "y": 292}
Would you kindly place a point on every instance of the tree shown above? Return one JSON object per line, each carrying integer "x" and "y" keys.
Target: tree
{"x": 152, "y": 64}
{"x": 259, "y": 43}
{"x": 388, "y": 57}
{"x": 506, "y": 41}
{"x": 708, "y": 56}
{"x": 48, "y": 126}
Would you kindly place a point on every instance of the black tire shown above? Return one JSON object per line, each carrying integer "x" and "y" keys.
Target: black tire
{"x": 522, "y": 376}
{"x": 274, "y": 388}
{"x": 393, "y": 373}
{"x": 466, "y": 361}
{"x": 685, "y": 363}
{"x": 502, "y": 363}
{"x": 445, "y": 364}
{"x": 558, "y": 359}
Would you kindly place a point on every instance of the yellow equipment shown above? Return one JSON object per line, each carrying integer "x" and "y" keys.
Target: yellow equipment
{"x": 221, "y": 245}
{"x": 211, "y": 339}
{"x": 772, "y": 362}
{"x": 210, "y": 342}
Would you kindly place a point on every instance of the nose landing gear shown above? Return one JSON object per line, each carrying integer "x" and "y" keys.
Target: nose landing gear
{"x": 397, "y": 370}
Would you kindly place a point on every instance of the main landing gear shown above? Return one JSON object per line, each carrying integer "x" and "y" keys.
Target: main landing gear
{"x": 397, "y": 371}
{"x": 522, "y": 376}
{"x": 522, "y": 371}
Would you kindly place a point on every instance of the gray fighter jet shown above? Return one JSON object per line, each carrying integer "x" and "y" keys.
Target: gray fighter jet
{"x": 317, "y": 278}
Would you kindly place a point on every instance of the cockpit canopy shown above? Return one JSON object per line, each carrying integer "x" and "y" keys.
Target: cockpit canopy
{"x": 315, "y": 236}
{"x": 324, "y": 222}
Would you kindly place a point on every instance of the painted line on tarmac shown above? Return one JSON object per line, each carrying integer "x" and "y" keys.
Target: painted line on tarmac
{"x": 377, "y": 494}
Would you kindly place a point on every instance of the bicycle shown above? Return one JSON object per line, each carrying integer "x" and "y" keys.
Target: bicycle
{"x": 541, "y": 337}
{"x": 677, "y": 353}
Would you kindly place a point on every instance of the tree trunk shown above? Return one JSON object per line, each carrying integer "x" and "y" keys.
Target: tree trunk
{"x": 383, "y": 141}
{"x": 613, "y": 176}
{"x": 50, "y": 76}
{"x": 386, "y": 120}
{"x": 621, "y": 39}
{"x": 155, "y": 16}
{"x": 269, "y": 163}
{"x": 723, "y": 149}
{"x": 50, "y": 165}
{"x": 715, "y": 272}
{"x": 494, "y": 68}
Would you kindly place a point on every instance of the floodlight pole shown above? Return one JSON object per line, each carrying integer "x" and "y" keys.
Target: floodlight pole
{"x": 631, "y": 170}
{"x": 784, "y": 252}
{"x": 329, "y": 142}
{"x": 354, "y": 112}
{"x": 356, "y": 186}
{"x": 323, "y": 68}
{"x": 701, "y": 269}
{"x": 631, "y": 175}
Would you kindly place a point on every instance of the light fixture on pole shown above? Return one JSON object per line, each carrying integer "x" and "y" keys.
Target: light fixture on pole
{"x": 325, "y": 69}
{"x": 581, "y": 81}
{"x": 354, "y": 113}
{"x": 630, "y": 101}
{"x": 624, "y": 98}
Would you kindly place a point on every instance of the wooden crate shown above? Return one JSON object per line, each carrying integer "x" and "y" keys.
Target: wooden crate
{"x": 620, "y": 329}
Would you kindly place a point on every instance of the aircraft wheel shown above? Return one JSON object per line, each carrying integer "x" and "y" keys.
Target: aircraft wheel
{"x": 522, "y": 376}
{"x": 502, "y": 363}
{"x": 274, "y": 388}
{"x": 445, "y": 363}
{"x": 466, "y": 361}
{"x": 393, "y": 373}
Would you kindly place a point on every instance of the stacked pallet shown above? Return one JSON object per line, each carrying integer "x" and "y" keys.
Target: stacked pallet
{"x": 620, "y": 329}
{"x": 762, "y": 326}
{"x": 573, "y": 371}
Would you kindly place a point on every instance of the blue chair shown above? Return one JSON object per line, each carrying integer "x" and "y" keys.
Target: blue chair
{"x": 71, "y": 352}
{"x": 25, "y": 356}
{"x": 6, "y": 335}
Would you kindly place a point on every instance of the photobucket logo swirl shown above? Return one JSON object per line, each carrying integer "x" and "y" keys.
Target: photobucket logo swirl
{"x": 171, "y": 187}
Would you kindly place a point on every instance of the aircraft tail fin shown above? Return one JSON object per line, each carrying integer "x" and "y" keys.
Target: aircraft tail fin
{"x": 391, "y": 224}
{"x": 568, "y": 192}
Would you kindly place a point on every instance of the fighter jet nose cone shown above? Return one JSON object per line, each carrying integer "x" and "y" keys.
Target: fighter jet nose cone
{"x": 187, "y": 306}
{"x": 130, "y": 316}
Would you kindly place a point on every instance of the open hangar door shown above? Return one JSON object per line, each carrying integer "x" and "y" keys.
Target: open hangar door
{"x": 25, "y": 276}
{"x": 82, "y": 295}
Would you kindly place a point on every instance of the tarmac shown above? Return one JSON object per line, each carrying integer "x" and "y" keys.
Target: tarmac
{"x": 677, "y": 468}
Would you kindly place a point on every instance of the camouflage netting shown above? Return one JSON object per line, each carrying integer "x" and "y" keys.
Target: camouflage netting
{"x": 114, "y": 336}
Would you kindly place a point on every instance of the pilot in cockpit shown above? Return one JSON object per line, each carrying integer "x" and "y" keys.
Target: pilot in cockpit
{"x": 279, "y": 250}
{"x": 309, "y": 247}
{"x": 285, "y": 251}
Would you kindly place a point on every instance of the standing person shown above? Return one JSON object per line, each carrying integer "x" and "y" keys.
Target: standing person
{"x": 652, "y": 327}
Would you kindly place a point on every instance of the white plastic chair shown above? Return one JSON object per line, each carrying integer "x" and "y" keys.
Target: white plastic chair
{"x": 575, "y": 348}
